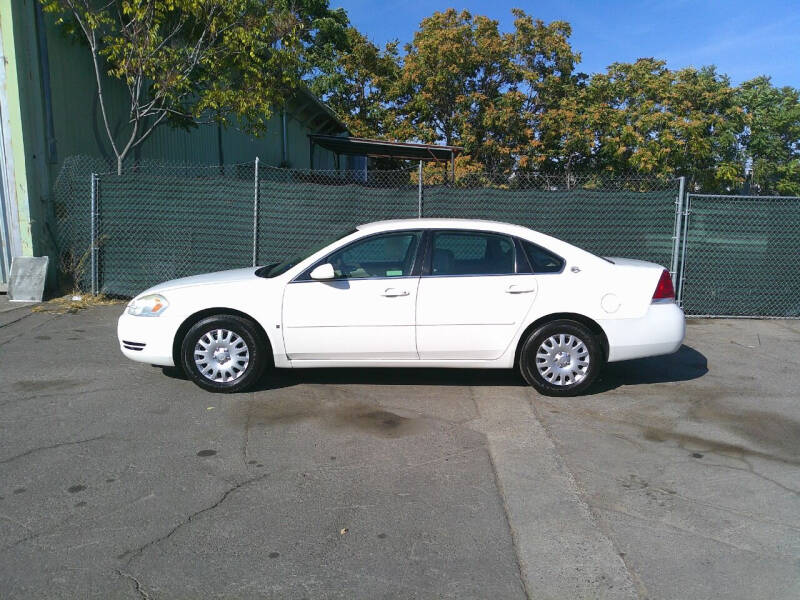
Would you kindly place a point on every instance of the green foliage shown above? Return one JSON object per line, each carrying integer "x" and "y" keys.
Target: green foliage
{"x": 355, "y": 78}
{"x": 465, "y": 82}
{"x": 649, "y": 119}
{"x": 772, "y": 136}
{"x": 516, "y": 101}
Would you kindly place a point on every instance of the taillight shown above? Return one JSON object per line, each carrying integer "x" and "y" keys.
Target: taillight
{"x": 664, "y": 290}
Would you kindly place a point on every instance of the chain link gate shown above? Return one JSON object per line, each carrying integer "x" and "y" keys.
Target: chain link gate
{"x": 739, "y": 256}
{"x": 120, "y": 234}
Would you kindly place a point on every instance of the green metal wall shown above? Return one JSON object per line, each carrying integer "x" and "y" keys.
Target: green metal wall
{"x": 77, "y": 126}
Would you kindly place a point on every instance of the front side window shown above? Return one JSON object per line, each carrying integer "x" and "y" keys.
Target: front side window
{"x": 472, "y": 253}
{"x": 385, "y": 255}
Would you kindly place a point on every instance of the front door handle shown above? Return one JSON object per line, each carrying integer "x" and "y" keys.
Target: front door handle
{"x": 394, "y": 293}
{"x": 518, "y": 289}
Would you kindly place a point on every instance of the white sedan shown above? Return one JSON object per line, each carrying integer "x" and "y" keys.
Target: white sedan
{"x": 413, "y": 293}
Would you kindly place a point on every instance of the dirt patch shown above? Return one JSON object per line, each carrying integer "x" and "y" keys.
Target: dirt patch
{"x": 40, "y": 385}
{"x": 694, "y": 442}
{"x": 777, "y": 434}
{"x": 758, "y": 433}
{"x": 368, "y": 418}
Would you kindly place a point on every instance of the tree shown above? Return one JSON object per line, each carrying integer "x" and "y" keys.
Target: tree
{"x": 433, "y": 91}
{"x": 355, "y": 81}
{"x": 553, "y": 135}
{"x": 465, "y": 82}
{"x": 187, "y": 62}
{"x": 771, "y": 139}
{"x": 654, "y": 121}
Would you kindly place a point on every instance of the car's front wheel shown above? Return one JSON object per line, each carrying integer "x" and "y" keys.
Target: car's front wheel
{"x": 561, "y": 358}
{"x": 224, "y": 353}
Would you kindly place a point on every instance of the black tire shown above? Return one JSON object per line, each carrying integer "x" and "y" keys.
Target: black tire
{"x": 256, "y": 346}
{"x": 558, "y": 383}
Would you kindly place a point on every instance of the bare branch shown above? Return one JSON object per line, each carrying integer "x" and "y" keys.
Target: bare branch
{"x": 150, "y": 129}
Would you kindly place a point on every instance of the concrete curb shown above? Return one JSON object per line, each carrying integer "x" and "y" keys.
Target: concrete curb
{"x": 561, "y": 551}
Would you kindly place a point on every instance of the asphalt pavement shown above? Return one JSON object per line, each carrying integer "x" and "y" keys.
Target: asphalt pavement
{"x": 676, "y": 478}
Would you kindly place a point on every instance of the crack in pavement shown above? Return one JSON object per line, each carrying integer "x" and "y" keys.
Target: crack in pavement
{"x": 64, "y": 394}
{"x": 66, "y": 521}
{"x": 137, "y": 552}
{"x": 15, "y": 522}
{"x": 750, "y": 469}
{"x": 246, "y": 436}
{"x": 669, "y": 493}
{"x": 35, "y": 327}
{"x": 16, "y": 320}
{"x": 653, "y": 525}
{"x": 136, "y": 583}
{"x": 41, "y": 448}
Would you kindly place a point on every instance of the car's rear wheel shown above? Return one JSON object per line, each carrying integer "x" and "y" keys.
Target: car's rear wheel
{"x": 561, "y": 358}
{"x": 224, "y": 353}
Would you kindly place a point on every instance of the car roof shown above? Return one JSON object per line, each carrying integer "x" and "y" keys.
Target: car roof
{"x": 429, "y": 223}
{"x": 556, "y": 245}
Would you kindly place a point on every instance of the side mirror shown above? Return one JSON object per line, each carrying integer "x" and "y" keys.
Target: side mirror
{"x": 323, "y": 272}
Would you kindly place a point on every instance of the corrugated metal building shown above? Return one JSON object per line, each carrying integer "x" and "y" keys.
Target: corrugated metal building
{"x": 49, "y": 111}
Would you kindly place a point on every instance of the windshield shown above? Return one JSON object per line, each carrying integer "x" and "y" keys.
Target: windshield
{"x": 280, "y": 268}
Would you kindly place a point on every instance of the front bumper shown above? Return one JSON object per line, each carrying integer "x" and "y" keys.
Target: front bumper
{"x": 147, "y": 339}
{"x": 660, "y": 331}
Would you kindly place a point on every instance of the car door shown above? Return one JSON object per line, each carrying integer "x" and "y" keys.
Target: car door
{"x": 366, "y": 312}
{"x": 472, "y": 295}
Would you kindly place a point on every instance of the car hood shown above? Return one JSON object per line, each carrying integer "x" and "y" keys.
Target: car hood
{"x": 231, "y": 276}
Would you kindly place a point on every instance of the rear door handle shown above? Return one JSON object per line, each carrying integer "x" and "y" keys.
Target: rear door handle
{"x": 394, "y": 293}
{"x": 518, "y": 289}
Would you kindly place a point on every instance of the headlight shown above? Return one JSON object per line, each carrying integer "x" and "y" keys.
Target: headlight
{"x": 148, "y": 306}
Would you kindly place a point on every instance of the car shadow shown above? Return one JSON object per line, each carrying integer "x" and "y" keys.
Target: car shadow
{"x": 401, "y": 376}
{"x": 684, "y": 365}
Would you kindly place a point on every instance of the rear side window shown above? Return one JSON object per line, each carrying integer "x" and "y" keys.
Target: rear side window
{"x": 541, "y": 260}
{"x": 471, "y": 253}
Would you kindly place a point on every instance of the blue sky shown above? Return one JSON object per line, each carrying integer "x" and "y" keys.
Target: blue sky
{"x": 743, "y": 39}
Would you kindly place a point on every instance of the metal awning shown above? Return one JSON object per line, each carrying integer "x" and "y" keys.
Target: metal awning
{"x": 383, "y": 149}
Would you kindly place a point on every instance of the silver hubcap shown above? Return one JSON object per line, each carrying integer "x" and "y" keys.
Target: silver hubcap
{"x": 221, "y": 355}
{"x": 562, "y": 359}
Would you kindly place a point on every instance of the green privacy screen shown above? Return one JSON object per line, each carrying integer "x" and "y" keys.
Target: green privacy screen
{"x": 159, "y": 222}
{"x": 608, "y": 222}
{"x": 741, "y": 256}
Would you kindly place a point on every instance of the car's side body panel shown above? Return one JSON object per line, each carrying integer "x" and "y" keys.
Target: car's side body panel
{"x": 659, "y": 331}
{"x": 246, "y": 294}
{"x": 471, "y": 318}
{"x": 465, "y": 325}
{"x": 350, "y": 319}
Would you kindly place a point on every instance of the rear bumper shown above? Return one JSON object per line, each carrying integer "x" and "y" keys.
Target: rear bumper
{"x": 146, "y": 339}
{"x": 660, "y": 331}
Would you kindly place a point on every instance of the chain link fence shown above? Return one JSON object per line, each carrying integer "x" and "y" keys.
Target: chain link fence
{"x": 158, "y": 221}
{"x": 740, "y": 255}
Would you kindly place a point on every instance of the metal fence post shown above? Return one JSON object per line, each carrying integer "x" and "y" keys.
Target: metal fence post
{"x": 676, "y": 234}
{"x": 687, "y": 210}
{"x": 93, "y": 234}
{"x": 419, "y": 191}
{"x": 255, "y": 213}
